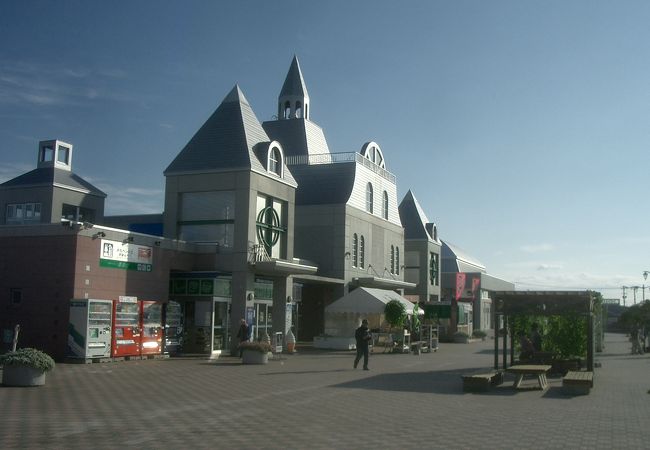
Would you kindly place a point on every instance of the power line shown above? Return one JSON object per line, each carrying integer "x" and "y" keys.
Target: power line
{"x": 591, "y": 288}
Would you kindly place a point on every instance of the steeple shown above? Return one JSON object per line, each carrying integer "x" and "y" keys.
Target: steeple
{"x": 293, "y": 102}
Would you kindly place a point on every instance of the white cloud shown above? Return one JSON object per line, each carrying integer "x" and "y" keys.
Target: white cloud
{"x": 131, "y": 200}
{"x": 537, "y": 248}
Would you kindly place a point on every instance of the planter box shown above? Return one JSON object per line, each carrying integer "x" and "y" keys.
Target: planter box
{"x": 254, "y": 357}
{"x": 14, "y": 375}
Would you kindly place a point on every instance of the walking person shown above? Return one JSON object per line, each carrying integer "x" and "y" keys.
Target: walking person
{"x": 243, "y": 334}
{"x": 363, "y": 337}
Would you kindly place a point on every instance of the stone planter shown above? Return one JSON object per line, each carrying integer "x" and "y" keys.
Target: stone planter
{"x": 17, "y": 375}
{"x": 254, "y": 357}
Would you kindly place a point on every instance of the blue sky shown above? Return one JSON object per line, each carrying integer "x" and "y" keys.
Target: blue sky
{"x": 522, "y": 127}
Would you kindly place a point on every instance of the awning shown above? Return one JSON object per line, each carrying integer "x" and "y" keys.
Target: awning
{"x": 367, "y": 301}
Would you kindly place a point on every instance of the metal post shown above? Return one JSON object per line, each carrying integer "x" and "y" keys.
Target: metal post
{"x": 15, "y": 341}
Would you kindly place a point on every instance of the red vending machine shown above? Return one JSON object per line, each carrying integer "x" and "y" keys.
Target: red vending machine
{"x": 126, "y": 327}
{"x": 152, "y": 329}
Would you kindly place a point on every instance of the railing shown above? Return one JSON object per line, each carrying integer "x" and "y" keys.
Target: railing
{"x": 257, "y": 253}
{"x": 336, "y": 158}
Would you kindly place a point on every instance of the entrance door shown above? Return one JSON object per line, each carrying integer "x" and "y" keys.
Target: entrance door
{"x": 263, "y": 320}
{"x": 221, "y": 325}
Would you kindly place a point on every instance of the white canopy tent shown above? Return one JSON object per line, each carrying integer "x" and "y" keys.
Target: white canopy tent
{"x": 367, "y": 301}
{"x": 344, "y": 315}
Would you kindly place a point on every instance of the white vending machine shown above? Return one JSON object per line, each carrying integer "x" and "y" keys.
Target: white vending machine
{"x": 89, "y": 329}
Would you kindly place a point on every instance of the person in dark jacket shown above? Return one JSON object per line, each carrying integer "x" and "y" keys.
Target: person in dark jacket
{"x": 363, "y": 337}
{"x": 243, "y": 334}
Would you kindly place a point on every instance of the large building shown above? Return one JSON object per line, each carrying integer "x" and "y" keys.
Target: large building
{"x": 261, "y": 221}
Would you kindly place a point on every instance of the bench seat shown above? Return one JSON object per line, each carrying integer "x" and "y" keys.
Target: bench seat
{"x": 577, "y": 383}
{"x": 481, "y": 381}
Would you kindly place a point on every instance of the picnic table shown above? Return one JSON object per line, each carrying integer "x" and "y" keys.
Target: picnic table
{"x": 538, "y": 370}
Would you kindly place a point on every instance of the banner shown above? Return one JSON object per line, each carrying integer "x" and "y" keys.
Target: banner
{"x": 460, "y": 285}
{"x": 475, "y": 284}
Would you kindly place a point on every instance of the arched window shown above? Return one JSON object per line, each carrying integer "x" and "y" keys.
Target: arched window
{"x": 392, "y": 259}
{"x": 355, "y": 250}
{"x": 384, "y": 208}
{"x": 275, "y": 161}
{"x": 287, "y": 110}
{"x": 397, "y": 260}
{"x": 298, "y": 110}
{"x": 369, "y": 198}
{"x": 362, "y": 252}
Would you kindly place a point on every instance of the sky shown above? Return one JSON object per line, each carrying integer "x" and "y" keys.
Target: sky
{"x": 522, "y": 127}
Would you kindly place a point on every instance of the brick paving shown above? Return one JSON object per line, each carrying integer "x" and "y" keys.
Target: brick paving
{"x": 316, "y": 400}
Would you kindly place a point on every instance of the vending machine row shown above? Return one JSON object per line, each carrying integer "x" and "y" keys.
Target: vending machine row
{"x": 126, "y": 327}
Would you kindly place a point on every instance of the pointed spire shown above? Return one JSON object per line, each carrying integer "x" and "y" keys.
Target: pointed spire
{"x": 293, "y": 102}
{"x": 235, "y": 96}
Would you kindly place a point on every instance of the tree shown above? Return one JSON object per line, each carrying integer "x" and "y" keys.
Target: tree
{"x": 395, "y": 313}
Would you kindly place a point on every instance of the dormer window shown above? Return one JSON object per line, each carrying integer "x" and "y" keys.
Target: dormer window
{"x": 275, "y": 159}
{"x": 372, "y": 152}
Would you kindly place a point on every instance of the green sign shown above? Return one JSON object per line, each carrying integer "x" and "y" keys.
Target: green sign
{"x": 140, "y": 267}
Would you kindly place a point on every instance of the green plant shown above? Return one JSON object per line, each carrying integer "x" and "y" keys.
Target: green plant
{"x": 461, "y": 334}
{"x": 257, "y": 346}
{"x": 479, "y": 334}
{"x": 566, "y": 336}
{"x": 29, "y": 357}
{"x": 395, "y": 313}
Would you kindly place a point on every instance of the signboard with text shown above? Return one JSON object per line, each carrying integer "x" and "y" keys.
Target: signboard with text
{"x": 126, "y": 256}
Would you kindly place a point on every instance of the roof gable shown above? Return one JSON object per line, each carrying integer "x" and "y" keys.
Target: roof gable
{"x": 225, "y": 141}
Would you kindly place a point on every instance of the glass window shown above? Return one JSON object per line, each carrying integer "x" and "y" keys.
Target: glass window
{"x": 298, "y": 110}
{"x": 214, "y": 205}
{"x": 355, "y": 250}
{"x": 275, "y": 161}
{"x": 369, "y": 198}
{"x": 397, "y": 260}
{"x": 392, "y": 259}
{"x": 362, "y": 252}
{"x": 287, "y": 110}
{"x": 11, "y": 212}
{"x": 47, "y": 153}
{"x": 384, "y": 211}
{"x": 222, "y": 234}
{"x": 63, "y": 155}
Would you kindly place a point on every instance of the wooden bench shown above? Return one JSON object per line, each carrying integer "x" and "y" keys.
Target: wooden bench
{"x": 481, "y": 381}
{"x": 577, "y": 383}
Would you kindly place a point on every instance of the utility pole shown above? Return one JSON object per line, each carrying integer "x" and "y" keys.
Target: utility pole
{"x": 624, "y": 295}
{"x": 634, "y": 289}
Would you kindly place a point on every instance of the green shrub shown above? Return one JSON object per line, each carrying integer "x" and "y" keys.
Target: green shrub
{"x": 479, "y": 334}
{"x": 258, "y": 346}
{"x": 29, "y": 357}
{"x": 395, "y": 313}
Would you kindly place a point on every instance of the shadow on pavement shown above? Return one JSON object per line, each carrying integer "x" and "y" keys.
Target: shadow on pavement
{"x": 437, "y": 382}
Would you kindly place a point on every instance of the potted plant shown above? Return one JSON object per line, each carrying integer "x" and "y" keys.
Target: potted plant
{"x": 479, "y": 334}
{"x": 460, "y": 337}
{"x": 256, "y": 352}
{"x": 25, "y": 367}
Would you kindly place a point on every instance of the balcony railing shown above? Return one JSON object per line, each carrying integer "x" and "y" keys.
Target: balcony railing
{"x": 337, "y": 158}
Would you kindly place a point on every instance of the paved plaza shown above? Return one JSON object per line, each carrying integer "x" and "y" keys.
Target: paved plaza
{"x": 316, "y": 400}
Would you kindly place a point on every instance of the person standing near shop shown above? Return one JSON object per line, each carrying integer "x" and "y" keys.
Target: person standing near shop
{"x": 363, "y": 337}
{"x": 243, "y": 334}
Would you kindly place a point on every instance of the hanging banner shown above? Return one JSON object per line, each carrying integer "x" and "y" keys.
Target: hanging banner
{"x": 475, "y": 284}
{"x": 126, "y": 256}
{"x": 460, "y": 285}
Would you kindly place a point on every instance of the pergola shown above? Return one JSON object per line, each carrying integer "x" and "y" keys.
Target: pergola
{"x": 541, "y": 303}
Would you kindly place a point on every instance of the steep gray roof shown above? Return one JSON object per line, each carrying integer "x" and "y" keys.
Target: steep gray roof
{"x": 456, "y": 260}
{"x": 413, "y": 218}
{"x": 297, "y": 136}
{"x": 225, "y": 141}
{"x": 294, "y": 83}
{"x": 49, "y": 176}
{"x": 324, "y": 184}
